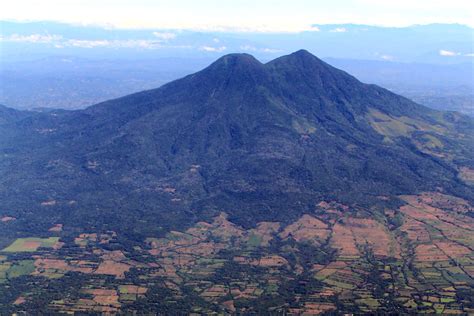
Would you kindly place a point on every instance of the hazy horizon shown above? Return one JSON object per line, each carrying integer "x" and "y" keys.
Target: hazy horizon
{"x": 263, "y": 15}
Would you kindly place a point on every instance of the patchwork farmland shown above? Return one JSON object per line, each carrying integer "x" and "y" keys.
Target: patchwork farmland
{"x": 417, "y": 258}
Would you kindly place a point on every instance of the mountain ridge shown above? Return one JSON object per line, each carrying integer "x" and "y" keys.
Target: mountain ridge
{"x": 222, "y": 66}
{"x": 268, "y": 138}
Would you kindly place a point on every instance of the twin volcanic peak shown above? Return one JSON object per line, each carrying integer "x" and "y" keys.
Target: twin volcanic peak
{"x": 250, "y": 188}
{"x": 259, "y": 141}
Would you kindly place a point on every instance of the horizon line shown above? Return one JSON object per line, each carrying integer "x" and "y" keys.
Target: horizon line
{"x": 225, "y": 29}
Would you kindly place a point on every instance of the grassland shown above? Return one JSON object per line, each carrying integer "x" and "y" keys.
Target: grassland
{"x": 19, "y": 268}
{"x": 31, "y": 244}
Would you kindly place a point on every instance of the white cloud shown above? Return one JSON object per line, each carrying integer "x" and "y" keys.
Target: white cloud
{"x": 216, "y": 40}
{"x": 266, "y": 15}
{"x": 146, "y": 44}
{"x": 32, "y": 38}
{"x": 386, "y": 57}
{"x": 248, "y": 48}
{"x": 443, "y": 52}
{"x": 58, "y": 41}
{"x": 314, "y": 28}
{"x": 87, "y": 43}
{"x": 469, "y": 55}
{"x": 213, "y": 49}
{"x": 166, "y": 36}
{"x": 271, "y": 50}
{"x": 339, "y": 30}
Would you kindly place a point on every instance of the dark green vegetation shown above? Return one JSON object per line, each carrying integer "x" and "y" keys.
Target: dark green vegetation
{"x": 334, "y": 259}
{"x": 261, "y": 142}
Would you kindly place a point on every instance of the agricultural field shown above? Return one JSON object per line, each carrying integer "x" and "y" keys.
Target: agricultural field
{"x": 32, "y": 244}
{"x": 416, "y": 258}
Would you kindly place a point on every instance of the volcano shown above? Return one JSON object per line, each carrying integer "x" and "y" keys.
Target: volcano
{"x": 260, "y": 141}
{"x": 251, "y": 188}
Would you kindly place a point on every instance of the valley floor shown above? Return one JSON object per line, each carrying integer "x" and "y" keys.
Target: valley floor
{"x": 418, "y": 258}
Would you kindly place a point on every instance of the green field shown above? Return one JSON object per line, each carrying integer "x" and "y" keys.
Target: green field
{"x": 23, "y": 267}
{"x": 3, "y": 271}
{"x": 254, "y": 241}
{"x": 31, "y": 244}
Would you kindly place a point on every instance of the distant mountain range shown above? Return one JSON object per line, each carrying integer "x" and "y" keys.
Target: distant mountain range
{"x": 54, "y": 65}
{"x": 70, "y": 83}
{"x": 433, "y": 43}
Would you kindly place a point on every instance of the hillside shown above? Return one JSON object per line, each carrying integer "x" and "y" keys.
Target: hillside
{"x": 292, "y": 166}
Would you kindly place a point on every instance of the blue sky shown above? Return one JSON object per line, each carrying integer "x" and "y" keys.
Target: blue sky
{"x": 240, "y": 15}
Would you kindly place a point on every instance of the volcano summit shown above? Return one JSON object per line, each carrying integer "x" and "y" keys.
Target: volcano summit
{"x": 288, "y": 186}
